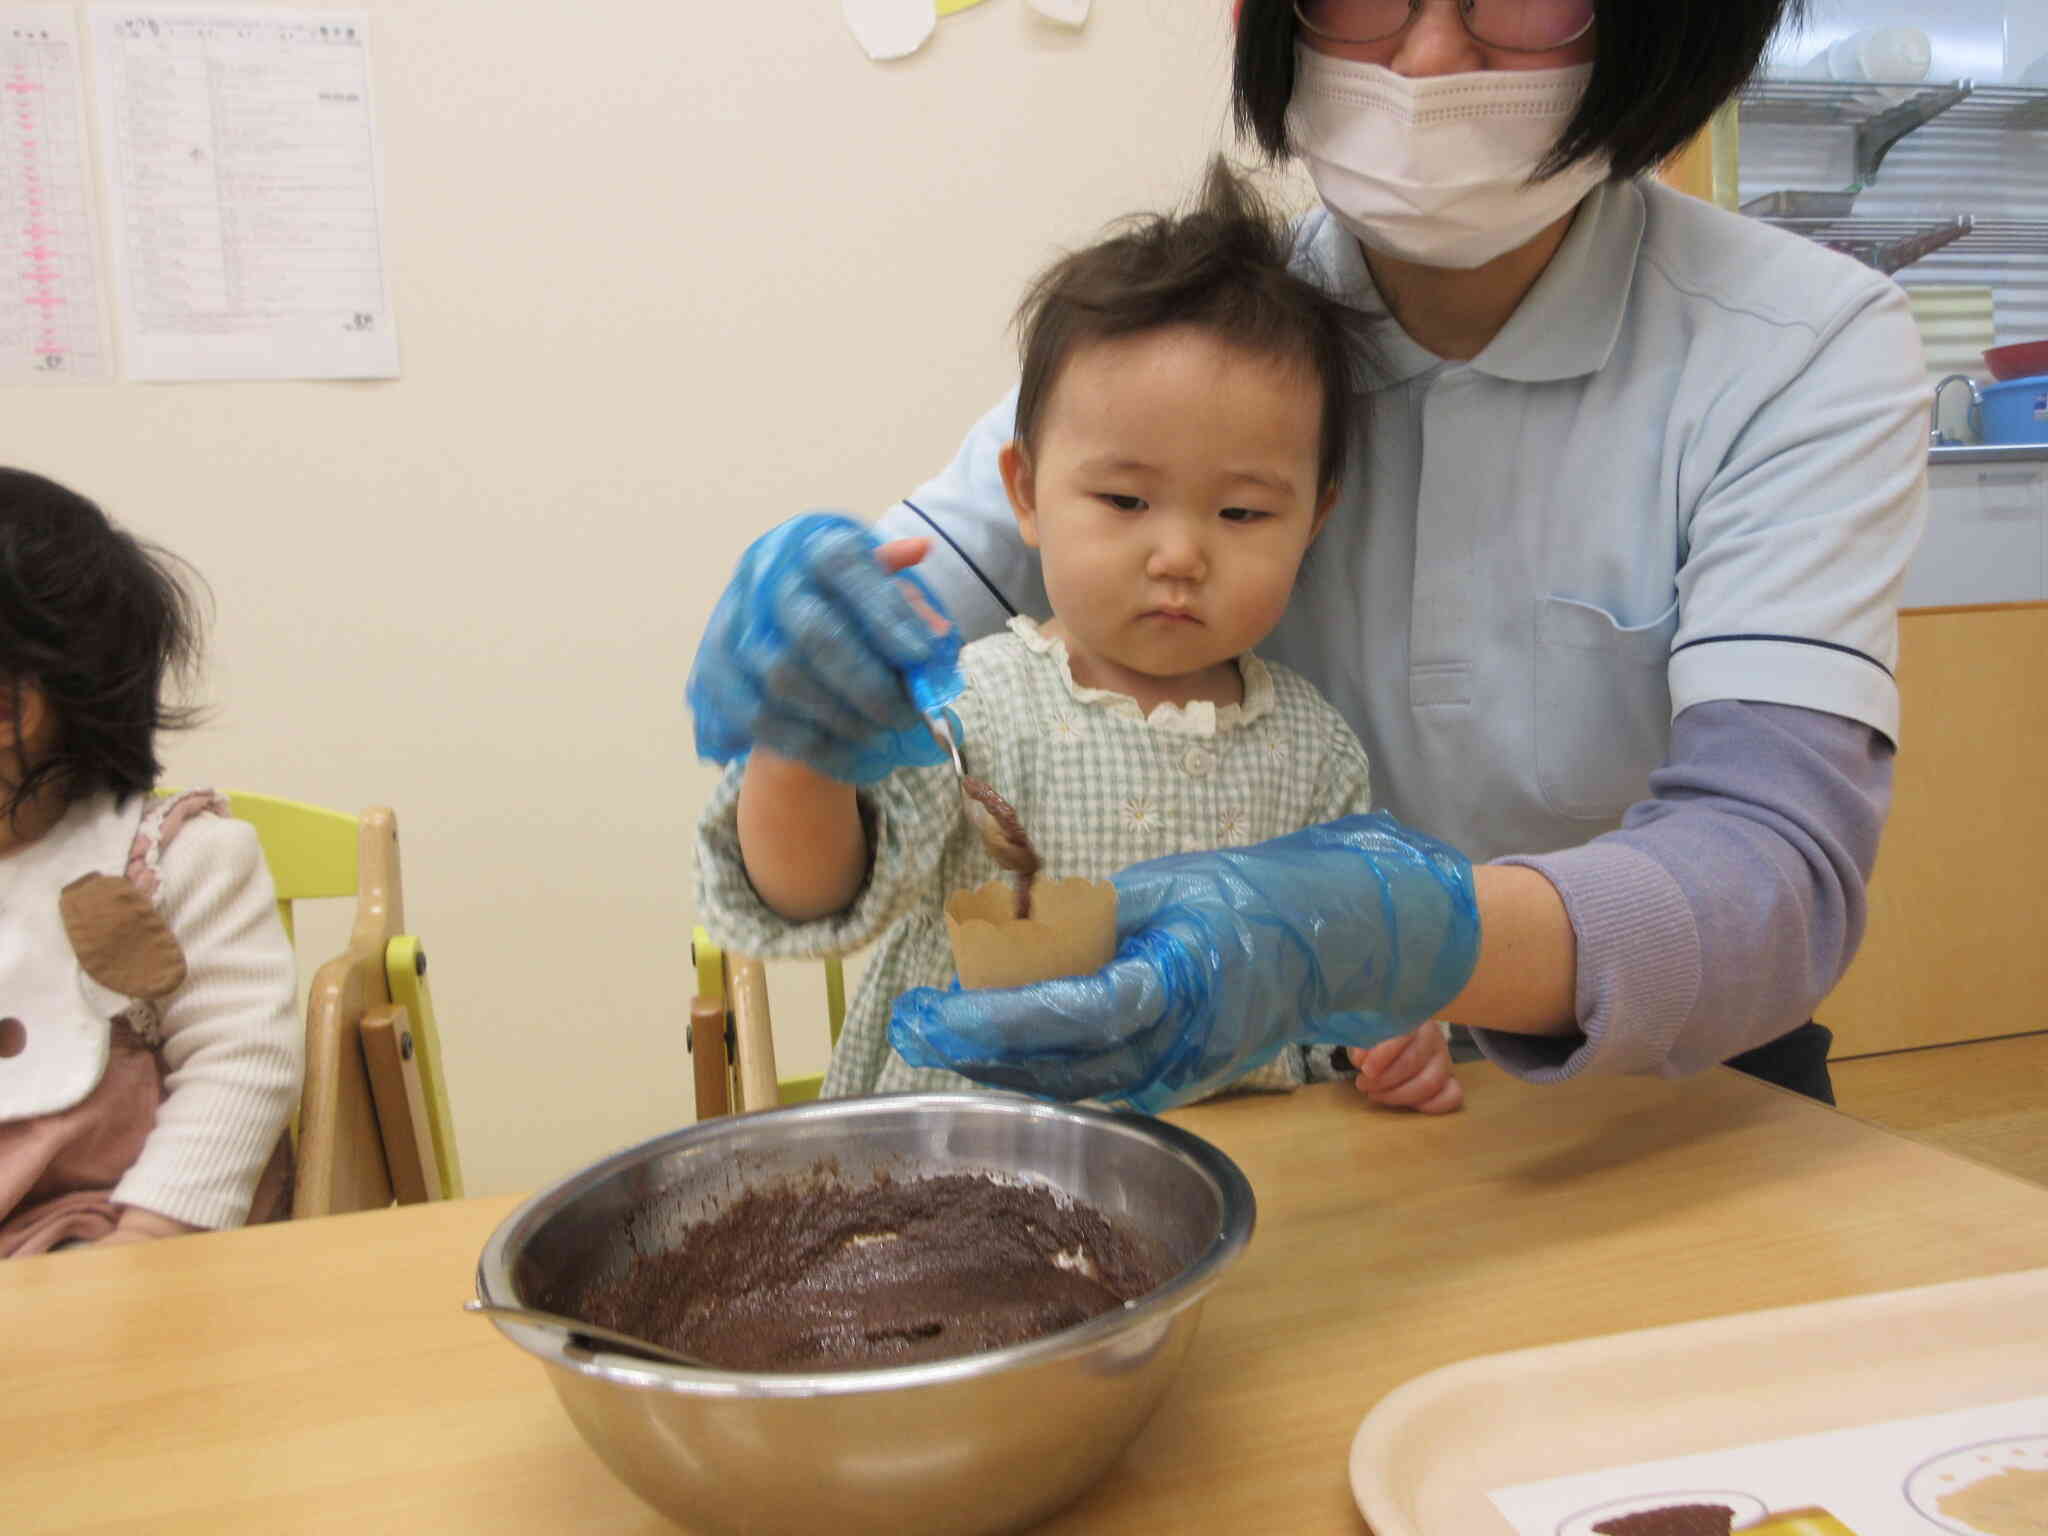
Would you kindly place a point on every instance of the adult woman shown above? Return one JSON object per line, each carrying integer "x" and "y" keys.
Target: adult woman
{"x": 1611, "y": 599}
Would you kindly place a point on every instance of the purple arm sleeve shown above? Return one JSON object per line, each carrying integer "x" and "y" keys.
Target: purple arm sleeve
{"x": 1728, "y": 904}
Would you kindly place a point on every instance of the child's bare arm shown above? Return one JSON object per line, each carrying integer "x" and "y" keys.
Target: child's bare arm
{"x": 801, "y": 838}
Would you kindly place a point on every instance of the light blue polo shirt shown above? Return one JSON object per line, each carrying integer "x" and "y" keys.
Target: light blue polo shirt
{"x": 1691, "y": 467}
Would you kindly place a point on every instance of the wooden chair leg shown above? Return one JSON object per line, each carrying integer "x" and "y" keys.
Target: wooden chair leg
{"x": 746, "y": 981}
{"x": 707, "y": 1052}
{"x": 391, "y": 1055}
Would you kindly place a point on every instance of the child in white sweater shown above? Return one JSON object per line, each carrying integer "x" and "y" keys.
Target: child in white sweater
{"x": 149, "y": 1050}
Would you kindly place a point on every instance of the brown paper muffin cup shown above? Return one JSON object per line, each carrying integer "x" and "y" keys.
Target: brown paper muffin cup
{"x": 1071, "y": 932}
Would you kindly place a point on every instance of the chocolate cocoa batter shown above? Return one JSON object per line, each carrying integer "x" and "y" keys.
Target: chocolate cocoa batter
{"x": 830, "y": 1276}
{"x": 1003, "y": 835}
{"x": 1672, "y": 1520}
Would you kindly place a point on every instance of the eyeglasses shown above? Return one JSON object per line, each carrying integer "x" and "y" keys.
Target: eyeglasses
{"x": 1518, "y": 26}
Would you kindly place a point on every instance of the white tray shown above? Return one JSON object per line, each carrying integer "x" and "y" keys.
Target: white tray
{"x": 1428, "y": 1454}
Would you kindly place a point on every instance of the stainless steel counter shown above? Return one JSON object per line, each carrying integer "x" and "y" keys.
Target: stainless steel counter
{"x": 1987, "y": 528}
{"x": 2013, "y": 453}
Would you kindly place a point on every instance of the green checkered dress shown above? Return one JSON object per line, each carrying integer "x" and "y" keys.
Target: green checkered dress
{"x": 1098, "y": 785}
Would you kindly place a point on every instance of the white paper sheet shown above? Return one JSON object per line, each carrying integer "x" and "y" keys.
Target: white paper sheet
{"x": 1068, "y": 13}
{"x": 1953, "y": 1472}
{"x": 890, "y": 29}
{"x": 53, "y": 322}
{"x": 244, "y": 193}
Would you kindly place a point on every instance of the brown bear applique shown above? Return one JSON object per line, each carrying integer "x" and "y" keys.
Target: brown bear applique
{"x": 121, "y": 941}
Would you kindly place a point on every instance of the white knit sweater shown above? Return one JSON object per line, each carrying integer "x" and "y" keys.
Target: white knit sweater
{"x": 232, "y": 1048}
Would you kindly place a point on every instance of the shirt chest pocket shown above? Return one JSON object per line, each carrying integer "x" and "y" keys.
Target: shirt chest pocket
{"x": 1603, "y": 707}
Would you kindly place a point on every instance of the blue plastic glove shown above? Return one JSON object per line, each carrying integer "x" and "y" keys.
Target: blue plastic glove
{"x": 816, "y": 652}
{"x": 1348, "y": 933}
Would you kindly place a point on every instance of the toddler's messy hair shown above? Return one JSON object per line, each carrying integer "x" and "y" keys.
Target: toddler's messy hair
{"x": 1220, "y": 265}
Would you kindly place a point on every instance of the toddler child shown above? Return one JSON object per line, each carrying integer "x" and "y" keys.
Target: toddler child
{"x": 150, "y": 1053}
{"x": 1180, "y": 435}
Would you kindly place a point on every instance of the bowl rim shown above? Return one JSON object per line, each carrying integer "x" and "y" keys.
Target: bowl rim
{"x": 2009, "y": 354}
{"x": 1190, "y": 1285}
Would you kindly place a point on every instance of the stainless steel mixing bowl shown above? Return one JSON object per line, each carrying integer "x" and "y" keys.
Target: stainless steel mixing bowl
{"x": 986, "y": 1442}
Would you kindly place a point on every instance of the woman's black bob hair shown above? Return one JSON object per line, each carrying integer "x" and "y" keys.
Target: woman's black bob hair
{"x": 1661, "y": 68}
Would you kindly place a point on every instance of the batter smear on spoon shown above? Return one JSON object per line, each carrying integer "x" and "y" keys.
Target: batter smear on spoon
{"x": 1003, "y": 835}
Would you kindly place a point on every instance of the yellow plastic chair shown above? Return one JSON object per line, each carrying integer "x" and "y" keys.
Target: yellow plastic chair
{"x": 731, "y": 1040}
{"x": 373, "y": 1123}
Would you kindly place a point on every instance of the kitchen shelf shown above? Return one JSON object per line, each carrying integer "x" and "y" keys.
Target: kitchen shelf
{"x": 1882, "y": 113}
{"x": 1888, "y": 244}
{"x": 1987, "y": 453}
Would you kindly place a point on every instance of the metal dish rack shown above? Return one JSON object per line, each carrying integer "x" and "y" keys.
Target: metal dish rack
{"x": 1881, "y": 114}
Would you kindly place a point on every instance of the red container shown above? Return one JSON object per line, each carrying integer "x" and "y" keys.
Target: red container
{"x": 2021, "y": 360}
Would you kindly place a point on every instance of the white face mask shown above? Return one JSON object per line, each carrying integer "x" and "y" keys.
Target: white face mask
{"x": 1437, "y": 170}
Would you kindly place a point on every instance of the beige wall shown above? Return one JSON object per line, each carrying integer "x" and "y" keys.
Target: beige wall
{"x": 666, "y": 273}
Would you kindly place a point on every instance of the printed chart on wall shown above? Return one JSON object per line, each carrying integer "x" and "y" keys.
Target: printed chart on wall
{"x": 1979, "y": 1472}
{"x": 53, "y": 323}
{"x": 244, "y": 193}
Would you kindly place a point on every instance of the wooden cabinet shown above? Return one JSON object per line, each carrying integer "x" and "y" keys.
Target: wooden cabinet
{"x": 1957, "y": 947}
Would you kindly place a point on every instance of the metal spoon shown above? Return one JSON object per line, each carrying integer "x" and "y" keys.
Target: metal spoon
{"x": 588, "y": 1336}
{"x": 993, "y": 818}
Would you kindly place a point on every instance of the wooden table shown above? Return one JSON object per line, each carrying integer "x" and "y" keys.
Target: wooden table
{"x": 320, "y": 1376}
{"x": 1984, "y": 1099}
